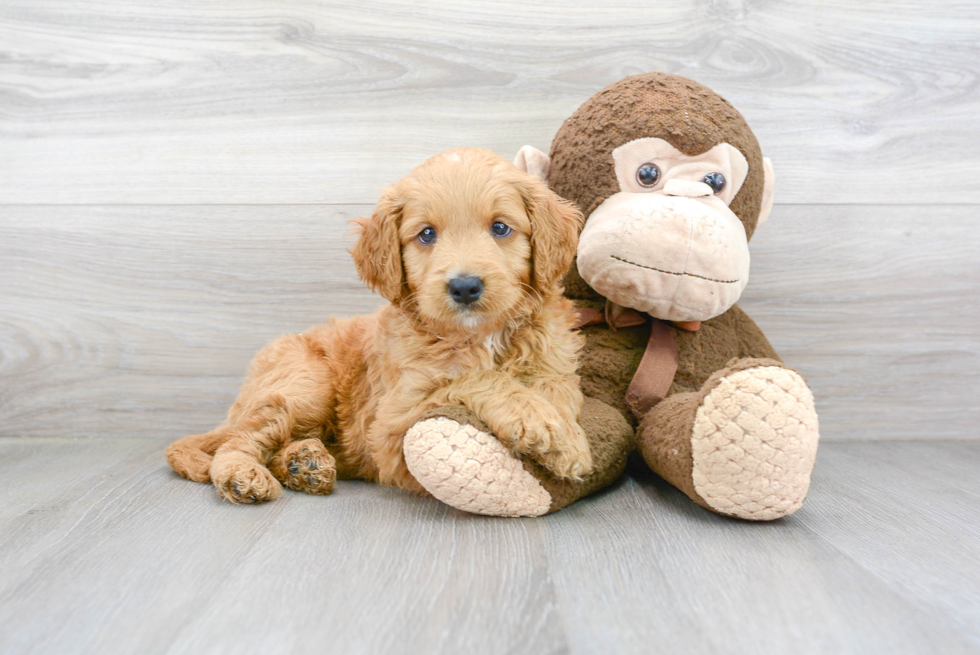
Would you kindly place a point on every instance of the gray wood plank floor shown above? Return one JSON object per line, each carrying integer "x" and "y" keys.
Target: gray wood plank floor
{"x": 104, "y": 550}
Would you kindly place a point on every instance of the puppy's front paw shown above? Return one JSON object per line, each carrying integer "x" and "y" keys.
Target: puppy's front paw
{"x": 533, "y": 429}
{"x": 569, "y": 456}
{"x": 558, "y": 445}
{"x": 240, "y": 479}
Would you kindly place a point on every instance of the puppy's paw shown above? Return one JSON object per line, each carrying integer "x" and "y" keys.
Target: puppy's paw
{"x": 240, "y": 479}
{"x": 306, "y": 466}
{"x": 532, "y": 431}
{"x": 569, "y": 456}
{"x": 558, "y": 445}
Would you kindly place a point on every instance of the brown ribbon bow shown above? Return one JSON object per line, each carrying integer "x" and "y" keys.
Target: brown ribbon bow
{"x": 657, "y": 368}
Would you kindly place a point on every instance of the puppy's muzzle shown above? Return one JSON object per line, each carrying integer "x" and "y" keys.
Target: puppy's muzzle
{"x": 465, "y": 290}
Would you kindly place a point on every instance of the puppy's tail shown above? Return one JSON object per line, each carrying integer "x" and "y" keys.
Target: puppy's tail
{"x": 191, "y": 456}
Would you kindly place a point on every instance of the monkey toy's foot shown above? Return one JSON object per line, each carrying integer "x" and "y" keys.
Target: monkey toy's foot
{"x": 456, "y": 458}
{"x": 467, "y": 468}
{"x": 743, "y": 446}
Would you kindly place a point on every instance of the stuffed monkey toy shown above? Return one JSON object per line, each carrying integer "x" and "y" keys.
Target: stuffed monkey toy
{"x": 673, "y": 184}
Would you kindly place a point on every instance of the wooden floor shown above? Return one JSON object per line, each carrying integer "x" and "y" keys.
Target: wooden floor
{"x": 104, "y": 550}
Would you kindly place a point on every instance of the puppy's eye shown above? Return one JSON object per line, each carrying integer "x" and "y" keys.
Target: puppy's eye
{"x": 714, "y": 180}
{"x": 500, "y": 229}
{"x": 648, "y": 175}
{"x": 427, "y": 236}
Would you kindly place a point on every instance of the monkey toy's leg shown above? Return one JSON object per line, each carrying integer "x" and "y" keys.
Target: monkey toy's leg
{"x": 743, "y": 445}
{"x": 456, "y": 458}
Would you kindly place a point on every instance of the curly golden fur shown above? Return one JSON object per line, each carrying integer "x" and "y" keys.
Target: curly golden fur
{"x": 337, "y": 400}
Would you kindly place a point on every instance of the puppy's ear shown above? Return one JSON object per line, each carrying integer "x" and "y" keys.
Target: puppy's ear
{"x": 377, "y": 253}
{"x": 555, "y": 226}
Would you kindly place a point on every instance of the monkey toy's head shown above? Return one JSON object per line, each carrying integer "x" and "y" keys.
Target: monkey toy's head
{"x": 673, "y": 183}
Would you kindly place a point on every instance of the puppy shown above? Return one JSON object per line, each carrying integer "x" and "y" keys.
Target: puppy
{"x": 470, "y": 252}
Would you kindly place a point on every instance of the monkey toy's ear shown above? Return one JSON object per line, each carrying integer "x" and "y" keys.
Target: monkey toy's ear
{"x": 377, "y": 253}
{"x": 531, "y": 160}
{"x": 767, "y": 191}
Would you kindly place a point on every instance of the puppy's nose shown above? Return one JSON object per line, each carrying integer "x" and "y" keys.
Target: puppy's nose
{"x": 465, "y": 290}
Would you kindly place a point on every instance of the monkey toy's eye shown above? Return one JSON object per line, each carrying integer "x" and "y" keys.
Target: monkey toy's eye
{"x": 648, "y": 175}
{"x": 427, "y": 236}
{"x": 714, "y": 180}
{"x": 500, "y": 229}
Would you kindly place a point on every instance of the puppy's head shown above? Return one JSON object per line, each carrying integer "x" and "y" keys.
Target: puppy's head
{"x": 467, "y": 241}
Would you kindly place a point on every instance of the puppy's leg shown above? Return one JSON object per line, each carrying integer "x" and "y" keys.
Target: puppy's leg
{"x": 569, "y": 455}
{"x": 287, "y": 391}
{"x": 306, "y": 466}
{"x": 386, "y": 443}
{"x": 191, "y": 456}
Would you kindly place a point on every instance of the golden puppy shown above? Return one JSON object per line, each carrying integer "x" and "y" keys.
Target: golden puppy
{"x": 470, "y": 252}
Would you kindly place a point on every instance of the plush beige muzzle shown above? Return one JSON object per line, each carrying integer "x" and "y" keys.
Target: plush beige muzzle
{"x": 679, "y": 255}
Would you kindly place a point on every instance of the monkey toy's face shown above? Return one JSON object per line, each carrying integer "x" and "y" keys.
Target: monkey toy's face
{"x": 667, "y": 242}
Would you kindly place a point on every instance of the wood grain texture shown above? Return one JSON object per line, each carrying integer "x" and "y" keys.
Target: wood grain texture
{"x": 879, "y": 307}
{"x": 122, "y": 556}
{"x": 117, "y": 319}
{"x": 129, "y": 321}
{"x": 323, "y": 102}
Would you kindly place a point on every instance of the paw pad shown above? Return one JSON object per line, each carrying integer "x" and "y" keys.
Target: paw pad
{"x": 311, "y": 472}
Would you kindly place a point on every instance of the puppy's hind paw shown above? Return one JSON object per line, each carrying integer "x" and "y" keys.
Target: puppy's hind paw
{"x": 306, "y": 466}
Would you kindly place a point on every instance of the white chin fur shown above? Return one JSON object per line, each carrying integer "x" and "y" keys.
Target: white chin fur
{"x": 469, "y": 321}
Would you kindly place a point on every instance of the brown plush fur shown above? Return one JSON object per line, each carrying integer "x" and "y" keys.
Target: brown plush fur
{"x": 688, "y": 115}
{"x": 337, "y": 400}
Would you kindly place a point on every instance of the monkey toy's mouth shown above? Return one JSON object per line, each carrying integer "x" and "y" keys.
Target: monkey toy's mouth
{"x": 660, "y": 270}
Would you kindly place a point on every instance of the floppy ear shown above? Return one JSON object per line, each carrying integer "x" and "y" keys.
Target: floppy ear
{"x": 377, "y": 253}
{"x": 555, "y": 225}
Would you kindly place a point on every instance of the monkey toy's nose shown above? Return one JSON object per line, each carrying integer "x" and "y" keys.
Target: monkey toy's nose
{"x": 687, "y": 189}
{"x": 465, "y": 289}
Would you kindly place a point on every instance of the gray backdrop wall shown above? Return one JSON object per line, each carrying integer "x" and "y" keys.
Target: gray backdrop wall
{"x": 176, "y": 178}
